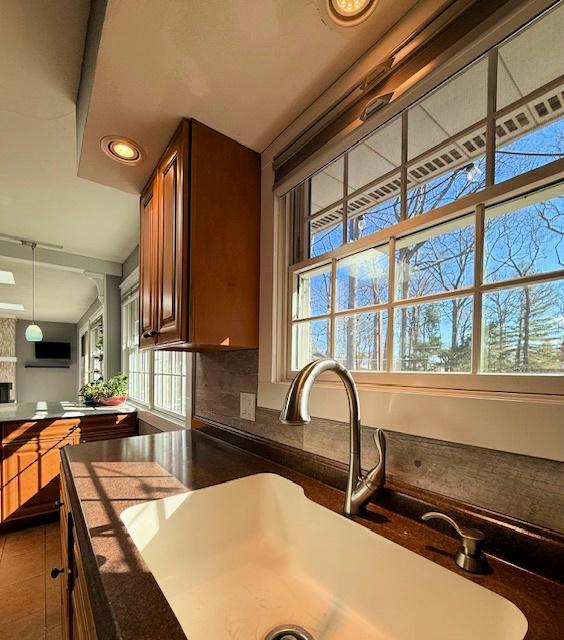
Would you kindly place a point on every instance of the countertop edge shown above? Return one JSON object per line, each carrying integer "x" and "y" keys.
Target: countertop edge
{"x": 22, "y": 413}
{"x": 101, "y": 607}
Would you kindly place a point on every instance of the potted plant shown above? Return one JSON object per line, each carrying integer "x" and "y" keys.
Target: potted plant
{"x": 108, "y": 393}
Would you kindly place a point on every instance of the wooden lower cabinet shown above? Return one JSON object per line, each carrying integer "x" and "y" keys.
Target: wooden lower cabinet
{"x": 30, "y": 458}
{"x": 76, "y": 614}
{"x": 82, "y": 625}
{"x": 66, "y": 531}
{"x": 30, "y": 476}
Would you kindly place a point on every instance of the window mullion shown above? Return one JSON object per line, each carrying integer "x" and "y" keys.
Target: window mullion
{"x": 332, "y": 336}
{"x": 391, "y": 298}
{"x": 403, "y": 172}
{"x": 490, "y": 117}
{"x": 345, "y": 192}
{"x": 152, "y": 379}
{"x": 477, "y": 300}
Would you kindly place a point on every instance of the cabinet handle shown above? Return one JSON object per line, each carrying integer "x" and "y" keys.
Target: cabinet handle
{"x": 55, "y": 572}
{"x": 150, "y": 334}
{"x": 58, "y": 504}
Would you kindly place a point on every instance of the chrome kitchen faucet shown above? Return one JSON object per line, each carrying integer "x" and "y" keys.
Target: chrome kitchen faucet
{"x": 295, "y": 411}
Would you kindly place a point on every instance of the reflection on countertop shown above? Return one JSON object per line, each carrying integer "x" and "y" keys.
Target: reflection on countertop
{"x": 44, "y": 410}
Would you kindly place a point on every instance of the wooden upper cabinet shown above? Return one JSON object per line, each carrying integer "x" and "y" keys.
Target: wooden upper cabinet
{"x": 148, "y": 265}
{"x": 172, "y": 244}
{"x": 206, "y": 195}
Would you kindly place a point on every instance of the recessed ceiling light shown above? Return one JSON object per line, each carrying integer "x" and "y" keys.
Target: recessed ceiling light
{"x": 349, "y": 13}
{"x": 7, "y": 277}
{"x": 10, "y": 306}
{"x": 121, "y": 149}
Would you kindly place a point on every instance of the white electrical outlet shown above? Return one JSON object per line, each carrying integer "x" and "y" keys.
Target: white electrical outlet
{"x": 248, "y": 403}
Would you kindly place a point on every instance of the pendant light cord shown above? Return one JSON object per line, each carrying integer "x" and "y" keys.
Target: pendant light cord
{"x": 33, "y": 283}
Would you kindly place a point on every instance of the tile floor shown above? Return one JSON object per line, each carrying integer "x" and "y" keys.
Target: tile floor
{"x": 30, "y": 605}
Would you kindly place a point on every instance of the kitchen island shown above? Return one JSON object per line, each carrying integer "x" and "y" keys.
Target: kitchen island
{"x": 32, "y": 436}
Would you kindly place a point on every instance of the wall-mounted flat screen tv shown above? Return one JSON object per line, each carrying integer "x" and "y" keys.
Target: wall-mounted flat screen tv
{"x": 53, "y": 350}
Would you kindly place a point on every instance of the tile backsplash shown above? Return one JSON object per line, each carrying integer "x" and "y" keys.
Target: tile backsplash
{"x": 523, "y": 487}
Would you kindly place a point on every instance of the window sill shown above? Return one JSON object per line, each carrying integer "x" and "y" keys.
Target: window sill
{"x": 526, "y": 424}
{"x": 486, "y": 386}
{"x": 160, "y": 421}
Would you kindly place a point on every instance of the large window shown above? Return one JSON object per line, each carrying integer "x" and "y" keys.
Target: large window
{"x": 423, "y": 303}
{"x": 157, "y": 379}
{"x": 436, "y": 244}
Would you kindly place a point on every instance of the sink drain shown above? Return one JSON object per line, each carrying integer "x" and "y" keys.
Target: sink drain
{"x": 288, "y": 632}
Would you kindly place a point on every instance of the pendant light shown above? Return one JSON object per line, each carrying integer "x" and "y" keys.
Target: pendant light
{"x": 33, "y": 332}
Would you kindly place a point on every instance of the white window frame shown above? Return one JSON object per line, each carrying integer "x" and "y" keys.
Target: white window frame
{"x": 130, "y": 293}
{"x": 95, "y": 319}
{"x": 125, "y": 329}
{"x": 474, "y": 381}
{"x": 87, "y": 329}
{"x": 84, "y": 356}
{"x": 475, "y": 203}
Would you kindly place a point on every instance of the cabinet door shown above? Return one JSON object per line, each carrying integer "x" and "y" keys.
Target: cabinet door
{"x": 149, "y": 226}
{"x": 30, "y": 476}
{"x": 173, "y": 241}
{"x": 66, "y": 532}
{"x": 82, "y": 620}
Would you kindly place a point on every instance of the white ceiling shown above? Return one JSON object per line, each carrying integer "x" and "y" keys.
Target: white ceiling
{"x": 244, "y": 67}
{"x": 41, "y": 197}
{"x": 60, "y": 295}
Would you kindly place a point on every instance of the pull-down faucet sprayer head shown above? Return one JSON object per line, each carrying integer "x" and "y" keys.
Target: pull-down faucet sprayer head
{"x": 295, "y": 408}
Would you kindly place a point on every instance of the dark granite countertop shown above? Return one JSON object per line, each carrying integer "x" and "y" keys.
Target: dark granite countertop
{"x": 48, "y": 410}
{"x": 105, "y": 478}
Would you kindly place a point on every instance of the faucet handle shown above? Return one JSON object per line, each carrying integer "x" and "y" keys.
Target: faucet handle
{"x": 376, "y": 477}
{"x": 469, "y": 555}
{"x": 380, "y": 442}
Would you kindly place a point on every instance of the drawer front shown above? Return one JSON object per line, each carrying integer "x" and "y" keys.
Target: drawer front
{"x": 29, "y": 430}
{"x": 93, "y": 435}
{"x": 118, "y": 419}
{"x": 108, "y": 427}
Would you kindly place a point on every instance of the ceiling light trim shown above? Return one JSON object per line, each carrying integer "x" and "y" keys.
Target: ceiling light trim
{"x": 344, "y": 18}
{"x": 108, "y": 145}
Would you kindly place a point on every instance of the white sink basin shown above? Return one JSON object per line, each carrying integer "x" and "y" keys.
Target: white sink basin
{"x": 237, "y": 559}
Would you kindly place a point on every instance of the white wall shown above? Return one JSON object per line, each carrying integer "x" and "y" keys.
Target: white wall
{"x": 46, "y": 384}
